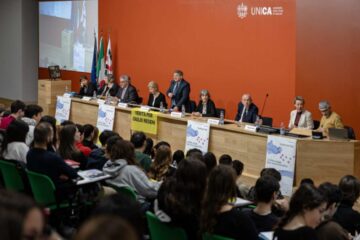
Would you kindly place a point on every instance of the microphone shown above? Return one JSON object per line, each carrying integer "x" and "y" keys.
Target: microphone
{"x": 263, "y": 107}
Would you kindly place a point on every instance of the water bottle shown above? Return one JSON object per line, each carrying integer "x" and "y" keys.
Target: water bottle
{"x": 221, "y": 121}
{"x": 162, "y": 107}
{"x": 257, "y": 122}
{"x": 108, "y": 100}
{"x": 66, "y": 89}
{"x": 183, "y": 110}
{"x": 94, "y": 95}
{"x": 282, "y": 128}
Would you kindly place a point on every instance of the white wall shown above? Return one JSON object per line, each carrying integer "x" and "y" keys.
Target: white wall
{"x": 19, "y": 49}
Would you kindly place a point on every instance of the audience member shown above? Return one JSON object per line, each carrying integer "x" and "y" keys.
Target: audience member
{"x": 149, "y": 147}
{"x": 52, "y": 121}
{"x": 160, "y": 168}
{"x": 210, "y": 161}
{"x": 225, "y": 159}
{"x": 33, "y": 114}
{"x": 17, "y": 109}
{"x": 218, "y": 214}
{"x": 178, "y": 156}
{"x": 307, "y": 181}
{"x": 138, "y": 139}
{"x": 89, "y": 132}
{"x": 79, "y": 138}
{"x": 242, "y": 189}
{"x": 194, "y": 153}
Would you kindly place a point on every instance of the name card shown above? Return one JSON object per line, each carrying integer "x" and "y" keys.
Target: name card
{"x": 85, "y": 98}
{"x": 67, "y": 95}
{"x": 250, "y": 128}
{"x": 123, "y": 105}
{"x": 145, "y": 108}
{"x": 100, "y": 101}
{"x": 177, "y": 114}
{"x": 214, "y": 121}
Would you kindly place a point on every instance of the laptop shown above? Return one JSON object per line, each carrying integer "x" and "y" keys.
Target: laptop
{"x": 338, "y": 134}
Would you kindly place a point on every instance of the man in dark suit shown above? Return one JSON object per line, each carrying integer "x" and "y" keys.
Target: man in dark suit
{"x": 127, "y": 93}
{"x": 179, "y": 92}
{"x": 247, "y": 111}
{"x": 87, "y": 88}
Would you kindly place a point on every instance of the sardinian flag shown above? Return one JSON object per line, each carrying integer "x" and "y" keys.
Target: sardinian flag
{"x": 108, "y": 61}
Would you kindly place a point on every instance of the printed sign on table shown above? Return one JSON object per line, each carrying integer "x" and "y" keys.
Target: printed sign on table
{"x": 281, "y": 155}
{"x": 144, "y": 121}
{"x": 106, "y": 115}
{"x": 197, "y": 136}
{"x": 62, "y": 112}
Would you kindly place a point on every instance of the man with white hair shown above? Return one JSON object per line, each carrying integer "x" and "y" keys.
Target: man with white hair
{"x": 127, "y": 93}
{"x": 247, "y": 110}
{"x": 329, "y": 118}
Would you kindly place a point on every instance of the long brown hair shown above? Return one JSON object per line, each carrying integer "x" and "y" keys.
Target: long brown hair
{"x": 121, "y": 149}
{"x": 161, "y": 163}
{"x": 67, "y": 141}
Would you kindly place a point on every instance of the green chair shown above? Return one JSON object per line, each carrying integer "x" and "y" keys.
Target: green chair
{"x": 162, "y": 231}
{"x": 128, "y": 191}
{"x": 11, "y": 176}
{"x": 43, "y": 190}
{"x": 208, "y": 236}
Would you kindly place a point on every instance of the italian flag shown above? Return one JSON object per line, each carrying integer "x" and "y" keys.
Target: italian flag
{"x": 100, "y": 68}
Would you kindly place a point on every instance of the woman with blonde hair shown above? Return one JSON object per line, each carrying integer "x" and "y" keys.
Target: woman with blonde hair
{"x": 155, "y": 96}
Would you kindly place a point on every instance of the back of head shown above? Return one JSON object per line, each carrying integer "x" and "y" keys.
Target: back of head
{"x": 88, "y": 130}
{"x": 225, "y": 159}
{"x": 160, "y": 144}
{"x": 67, "y": 141}
{"x": 178, "y": 156}
{"x": 163, "y": 156}
{"x": 192, "y": 151}
{"x": 149, "y": 144}
{"x": 106, "y": 228}
{"x": 32, "y": 110}
{"x": 350, "y": 188}
{"x": 210, "y": 161}
{"x": 121, "y": 149}
{"x": 331, "y": 193}
{"x": 138, "y": 139}
{"x": 195, "y": 154}
{"x": 265, "y": 188}
{"x": 307, "y": 181}
{"x": 105, "y": 135}
{"x": 238, "y": 167}
{"x": 16, "y": 202}
{"x": 11, "y": 225}
{"x": 17, "y": 105}
{"x": 16, "y": 131}
{"x": 67, "y": 122}
{"x": 271, "y": 172}
{"x": 43, "y": 133}
{"x": 52, "y": 121}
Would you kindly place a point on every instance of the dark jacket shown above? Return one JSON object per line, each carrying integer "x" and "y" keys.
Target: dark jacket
{"x": 250, "y": 115}
{"x": 160, "y": 98}
{"x": 131, "y": 95}
{"x": 88, "y": 90}
{"x": 97, "y": 159}
{"x": 112, "y": 91}
{"x": 347, "y": 217}
{"x": 210, "y": 108}
{"x": 181, "y": 94}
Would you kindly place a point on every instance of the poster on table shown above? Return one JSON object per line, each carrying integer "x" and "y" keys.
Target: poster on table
{"x": 197, "y": 136}
{"x": 106, "y": 115}
{"x": 281, "y": 155}
{"x": 62, "y": 111}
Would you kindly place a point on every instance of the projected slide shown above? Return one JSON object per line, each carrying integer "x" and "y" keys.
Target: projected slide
{"x": 67, "y": 33}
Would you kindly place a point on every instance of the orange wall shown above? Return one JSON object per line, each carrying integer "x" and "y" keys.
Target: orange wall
{"x": 328, "y": 56}
{"x": 210, "y": 43}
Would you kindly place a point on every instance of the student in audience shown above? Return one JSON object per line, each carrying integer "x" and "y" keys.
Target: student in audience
{"x": 218, "y": 213}
{"x": 97, "y": 157}
{"x": 52, "y": 121}
{"x": 123, "y": 168}
{"x": 106, "y": 228}
{"x": 160, "y": 168}
{"x": 17, "y": 109}
{"x": 307, "y": 181}
{"x": 225, "y": 159}
{"x": 89, "y": 132}
{"x": 180, "y": 197}
{"x": 210, "y": 161}
{"x": 178, "y": 156}
{"x": 265, "y": 172}
{"x": 345, "y": 215}
{"x": 120, "y": 205}
{"x": 32, "y": 117}
{"x": 158, "y": 145}
{"x": 14, "y": 146}
{"x": 110, "y": 88}
{"x": 242, "y": 189}
{"x": 195, "y": 154}
{"x": 307, "y": 206}
{"x": 40, "y": 160}
{"x": 68, "y": 136}
{"x": 138, "y": 139}
{"x": 266, "y": 190}
{"x": 155, "y": 96}
{"x": 10, "y": 225}
{"x": 329, "y": 229}
{"x": 149, "y": 147}
{"x": 206, "y": 107}
{"x": 79, "y": 141}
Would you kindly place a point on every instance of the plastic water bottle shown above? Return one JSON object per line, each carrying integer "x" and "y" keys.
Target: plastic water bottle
{"x": 108, "y": 100}
{"x": 66, "y": 89}
{"x": 162, "y": 107}
{"x": 94, "y": 95}
{"x": 221, "y": 121}
{"x": 282, "y": 128}
{"x": 258, "y": 121}
{"x": 183, "y": 110}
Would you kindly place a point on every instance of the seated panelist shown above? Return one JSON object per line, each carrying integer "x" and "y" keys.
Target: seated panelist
{"x": 87, "y": 88}
{"x": 300, "y": 118}
{"x": 127, "y": 93}
{"x": 247, "y": 111}
{"x": 110, "y": 88}
{"x": 329, "y": 118}
{"x": 179, "y": 92}
{"x": 206, "y": 107}
{"x": 155, "y": 96}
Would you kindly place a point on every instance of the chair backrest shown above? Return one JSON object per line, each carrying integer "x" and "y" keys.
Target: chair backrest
{"x": 316, "y": 124}
{"x": 128, "y": 191}
{"x": 218, "y": 111}
{"x": 162, "y": 231}
{"x": 192, "y": 106}
{"x": 42, "y": 187}
{"x": 208, "y": 236}
{"x": 267, "y": 121}
{"x": 11, "y": 176}
{"x": 351, "y": 132}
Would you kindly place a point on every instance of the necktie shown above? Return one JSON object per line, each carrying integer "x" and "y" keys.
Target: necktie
{"x": 176, "y": 88}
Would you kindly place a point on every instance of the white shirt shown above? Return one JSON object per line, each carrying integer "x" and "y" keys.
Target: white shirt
{"x": 16, "y": 151}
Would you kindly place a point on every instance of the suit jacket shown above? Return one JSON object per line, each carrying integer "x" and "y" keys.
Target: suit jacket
{"x": 130, "y": 96}
{"x": 305, "y": 121}
{"x": 250, "y": 116}
{"x": 160, "y": 98}
{"x": 210, "y": 108}
{"x": 181, "y": 95}
{"x": 88, "y": 90}
{"x": 112, "y": 91}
